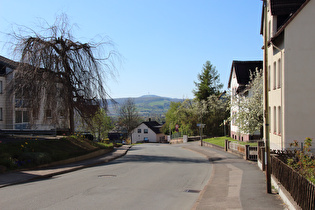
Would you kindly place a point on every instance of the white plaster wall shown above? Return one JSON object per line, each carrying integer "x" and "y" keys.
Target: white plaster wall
{"x": 140, "y": 136}
{"x": 234, "y": 84}
{"x": 299, "y": 76}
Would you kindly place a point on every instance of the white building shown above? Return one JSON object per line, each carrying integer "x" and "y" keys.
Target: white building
{"x": 238, "y": 81}
{"x": 291, "y": 50}
{"x": 148, "y": 132}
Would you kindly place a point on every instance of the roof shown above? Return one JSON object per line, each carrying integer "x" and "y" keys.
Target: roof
{"x": 154, "y": 126}
{"x": 285, "y": 7}
{"x": 7, "y": 62}
{"x": 243, "y": 70}
{"x": 286, "y": 10}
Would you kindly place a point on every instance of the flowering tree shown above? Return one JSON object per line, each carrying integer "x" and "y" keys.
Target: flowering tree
{"x": 249, "y": 105}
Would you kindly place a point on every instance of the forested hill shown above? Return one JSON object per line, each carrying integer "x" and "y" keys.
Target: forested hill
{"x": 147, "y": 105}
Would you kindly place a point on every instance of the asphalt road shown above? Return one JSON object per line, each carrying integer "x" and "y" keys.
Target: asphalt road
{"x": 150, "y": 176}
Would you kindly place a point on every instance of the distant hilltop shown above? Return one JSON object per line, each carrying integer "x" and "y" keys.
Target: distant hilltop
{"x": 147, "y": 105}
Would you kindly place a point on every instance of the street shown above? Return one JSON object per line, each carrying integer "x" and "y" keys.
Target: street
{"x": 150, "y": 176}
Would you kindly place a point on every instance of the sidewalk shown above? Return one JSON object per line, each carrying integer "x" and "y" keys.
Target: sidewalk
{"x": 23, "y": 176}
{"x": 234, "y": 184}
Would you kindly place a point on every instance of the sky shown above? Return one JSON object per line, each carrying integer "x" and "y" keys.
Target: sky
{"x": 163, "y": 44}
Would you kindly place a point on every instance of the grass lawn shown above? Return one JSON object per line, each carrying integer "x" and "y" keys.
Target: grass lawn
{"x": 29, "y": 153}
{"x": 220, "y": 141}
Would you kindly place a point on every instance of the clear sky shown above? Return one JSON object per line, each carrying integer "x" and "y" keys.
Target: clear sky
{"x": 164, "y": 43}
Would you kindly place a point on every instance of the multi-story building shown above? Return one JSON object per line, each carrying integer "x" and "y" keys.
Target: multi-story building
{"x": 16, "y": 113}
{"x": 290, "y": 52}
{"x": 238, "y": 81}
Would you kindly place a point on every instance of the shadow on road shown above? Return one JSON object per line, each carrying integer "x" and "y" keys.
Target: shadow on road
{"x": 153, "y": 158}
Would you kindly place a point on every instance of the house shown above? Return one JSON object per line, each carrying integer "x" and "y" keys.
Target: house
{"x": 290, "y": 53}
{"x": 16, "y": 114}
{"x": 148, "y": 131}
{"x": 238, "y": 81}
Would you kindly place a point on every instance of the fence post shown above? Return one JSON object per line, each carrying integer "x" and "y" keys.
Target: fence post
{"x": 226, "y": 145}
{"x": 246, "y": 152}
{"x": 263, "y": 164}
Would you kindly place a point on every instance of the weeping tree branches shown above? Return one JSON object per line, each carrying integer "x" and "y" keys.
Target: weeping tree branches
{"x": 68, "y": 73}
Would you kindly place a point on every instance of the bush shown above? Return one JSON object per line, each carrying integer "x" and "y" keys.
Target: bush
{"x": 303, "y": 162}
{"x": 7, "y": 161}
{"x": 34, "y": 158}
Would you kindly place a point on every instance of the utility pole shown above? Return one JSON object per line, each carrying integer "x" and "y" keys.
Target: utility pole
{"x": 266, "y": 101}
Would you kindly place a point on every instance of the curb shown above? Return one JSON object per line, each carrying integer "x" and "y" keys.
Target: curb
{"x": 284, "y": 194}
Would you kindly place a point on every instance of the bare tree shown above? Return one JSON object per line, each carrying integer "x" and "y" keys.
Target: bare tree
{"x": 128, "y": 115}
{"x": 70, "y": 74}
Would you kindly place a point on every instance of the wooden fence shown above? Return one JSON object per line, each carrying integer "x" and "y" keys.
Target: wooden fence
{"x": 302, "y": 190}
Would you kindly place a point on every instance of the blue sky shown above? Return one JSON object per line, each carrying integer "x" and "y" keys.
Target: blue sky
{"x": 164, "y": 43}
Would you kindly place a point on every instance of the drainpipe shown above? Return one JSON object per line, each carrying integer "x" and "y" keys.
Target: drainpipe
{"x": 266, "y": 102}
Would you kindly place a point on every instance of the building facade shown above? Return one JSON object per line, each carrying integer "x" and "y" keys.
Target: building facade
{"x": 290, "y": 52}
{"x": 16, "y": 113}
{"x": 148, "y": 132}
{"x": 238, "y": 81}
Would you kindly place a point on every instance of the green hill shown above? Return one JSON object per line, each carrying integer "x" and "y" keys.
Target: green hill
{"x": 147, "y": 105}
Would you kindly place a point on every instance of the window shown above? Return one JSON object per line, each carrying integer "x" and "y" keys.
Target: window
{"x": 145, "y": 130}
{"x": 279, "y": 73}
{"x": 1, "y": 114}
{"x": 274, "y": 75}
{"x": 26, "y": 117}
{"x": 139, "y": 130}
{"x": 274, "y": 119}
{"x": 1, "y": 87}
{"x": 279, "y": 120}
{"x": 21, "y": 116}
{"x": 35, "y": 114}
{"x": 18, "y": 116}
{"x": 269, "y": 119}
{"x": 48, "y": 113}
{"x": 269, "y": 72}
{"x": 234, "y": 117}
{"x": 62, "y": 114}
{"x": 269, "y": 30}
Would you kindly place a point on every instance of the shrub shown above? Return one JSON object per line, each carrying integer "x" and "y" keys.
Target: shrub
{"x": 303, "y": 161}
{"x": 34, "y": 158}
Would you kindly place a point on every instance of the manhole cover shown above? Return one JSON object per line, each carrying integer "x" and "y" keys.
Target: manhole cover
{"x": 106, "y": 175}
{"x": 193, "y": 191}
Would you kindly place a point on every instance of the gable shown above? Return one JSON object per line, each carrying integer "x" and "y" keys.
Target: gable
{"x": 285, "y": 11}
{"x": 242, "y": 70}
{"x": 154, "y": 126}
{"x": 5, "y": 62}
{"x": 285, "y": 7}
